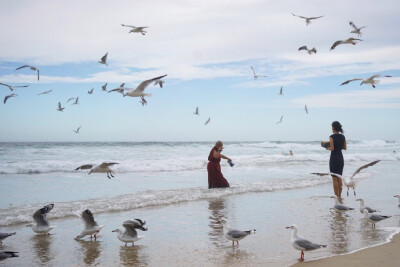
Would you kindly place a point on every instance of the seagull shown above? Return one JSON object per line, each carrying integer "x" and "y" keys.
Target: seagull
{"x": 130, "y": 234}
{"x": 76, "y": 101}
{"x": 139, "y": 91}
{"x": 102, "y": 168}
{"x": 136, "y": 29}
{"x": 280, "y": 121}
{"x": 5, "y": 235}
{"x": 77, "y": 130}
{"x": 103, "y": 60}
{"x": 45, "y": 92}
{"x": 306, "y": 109}
{"x": 12, "y": 87}
{"x": 90, "y": 91}
{"x": 281, "y": 91}
{"x": 233, "y": 234}
{"x": 374, "y": 218}
{"x": 159, "y": 82}
{"x": 340, "y": 207}
{"x": 302, "y": 244}
{"x": 309, "y": 51}
{"x": 69, "y": 99}
{"x": 31, "y": 67}
{"x": 371, "y": 80}
{"x": 8, "y": 96}
{"x": 42, "y": 225}
{"x": 398, "y": 197}
{"x": 308, "y": 19}
{"x": 119, "y": 90}
{"x": 104, "y": 87}
{"x": 348, "y": 41}
{"x": 255, "y": 75}
{"x": 60, "y": 108}
{"x": 7, "y": 254}
{"x": 362, "y": 206}
{"x": 356, "y": 30}
{"x": 197, "y": 111}
{"x": 143, "y": 101}
{"x": 90, "y": 225}
{"x": 208, "y": 121}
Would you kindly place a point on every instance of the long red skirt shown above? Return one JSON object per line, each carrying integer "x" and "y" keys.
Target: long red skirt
{"x": 215, "y": 177}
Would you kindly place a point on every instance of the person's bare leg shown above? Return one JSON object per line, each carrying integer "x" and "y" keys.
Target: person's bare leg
{"x": 340, "y": 183}
{"x": 335, "y": 186}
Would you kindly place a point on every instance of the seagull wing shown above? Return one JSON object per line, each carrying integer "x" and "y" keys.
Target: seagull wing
{"x": 7, "y": 97}
{"x": 336, "y": 44}
{"x": 40, "y": 215}
{"x": 352, "y": 80}
{"x": 146, "y": 83}
{"x": 254, "y": 73}
{"x": 84, "y": 167}
{"x": 353, "y": 25}
{"x": 104, "y": 58}
{"x": 37, "y": 70}
{"x": 107, "y": 164}
{"x": 207, "y": 121}
{"x": 87, "y": 217}
{"x": 299, "y": 16}
{"x": 132, "y": 225}
{"x": 24, "y": 66}
{"x": 364, "y": 167}
{"x": 130, "y": 26}
{"x": 306, "y": 245}
{"x": 353, "y": 39}
{"x": 78, "y": 128}
{"x": 315, "y": 17}
{"x": 303, "y": 48}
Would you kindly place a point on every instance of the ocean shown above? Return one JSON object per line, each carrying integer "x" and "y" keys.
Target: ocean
{"x": 165, "y": 183}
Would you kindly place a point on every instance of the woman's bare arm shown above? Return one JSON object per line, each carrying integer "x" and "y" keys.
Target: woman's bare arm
{"x": 331, "y": 146}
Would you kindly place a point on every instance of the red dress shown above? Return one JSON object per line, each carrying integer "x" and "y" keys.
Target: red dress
{"x": 215, "y": 177}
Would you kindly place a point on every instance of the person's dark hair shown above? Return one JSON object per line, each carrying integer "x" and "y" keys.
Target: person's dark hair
{"x": 337, "y": 126}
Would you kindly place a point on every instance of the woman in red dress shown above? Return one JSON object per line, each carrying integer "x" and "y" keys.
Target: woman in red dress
{"x": 215, "y": 177}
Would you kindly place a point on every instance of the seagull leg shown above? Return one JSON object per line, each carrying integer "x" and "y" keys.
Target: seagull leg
{"x": 233, "y": 244}
{"x": 354, "y": 191}
{"x": 125, "y": 244}
{"x": 108, "y": 176}
{"x": 347, "y": 191}
{"x": 237, "y": 241}
{"x": 111, "y": 175}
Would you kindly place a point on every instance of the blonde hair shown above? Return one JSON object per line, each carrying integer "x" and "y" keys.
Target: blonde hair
{"x": 218, "y": 144}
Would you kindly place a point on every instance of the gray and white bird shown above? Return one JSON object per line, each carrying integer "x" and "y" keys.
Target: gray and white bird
{"x": 41, "y": 225}
{"x": 340, "y": 207}
{"x": 281, "y": 91}
{"x": 104, "y": 87}
{"x": 90, "y": 225}
{"x": 4, "y": 254}
{"x": 371, "y": 80}
{"x": 103, "y": 60}
{"x": 255, "y": 76}
{"x": 30, "y": 67}
{"x": 362, "y": 206}
{"x": 306, "y": 109}
{"x": 356, "y": 29}
{"x": 139, "y": 91}
{"x": 308, "y": 19}
{"x": 280, "y": 121}
{"x": 12, "y": 87}
{"x": 76, "y": 101}
{"x": 143, "y": 101}
{"x": 130, "y": 234}
{"x": 309, "y": 51}
{"x": 159, "y": 82}
{"x": 120, "y": 89}
{"x": 60, "y": 108}
{"x": 196, "y": 111}
{"x": 301, "y": 243}
{"x": 135, "y": 29}
{"x": 102, "y": 168}
{"x": 5, "y": 235}
{"x": 45, "y": 92}
{"x": 374, "y": 218}
{"x": 208, "y": 121}
{"x": 77, "y": 130}
{"x": 90, "y": 91}
{"x": 70, "y": 99}
{"x": 234, "y": 234}
{"x": 352, "y": 41}
{"x": 8, "y": 96}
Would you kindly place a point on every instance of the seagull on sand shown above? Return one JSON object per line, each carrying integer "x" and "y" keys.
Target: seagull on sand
{"x": 104, "y": 87}
{"x": 12, "y": 87}
{"x": 90, "y": 225}
{"x": 139, "y": 91}
{"x": 5, "y": 235}
{"x": 208, "y": 121}
{"x": 374, "y": 218}
{"x": 371, "y": 80}
{"x": 398, "y": 197}
{"x": 308, "y": 19}
{"x": 309, "y": 51}
{"x": 31, "y": 67}
{"x": 306, "y": 109}
{"x": 103, "y": 60}
{"x": 356, "y": 30}
{"x": 8, "y": 96}
{"x": 362, "y": 206}
{"x": 45, "y": 92}
{"x": 256, "y": 75}
{"x": 159, "y": 82}
{"x": 280, "y": 121}
{"x": 7, "y": 254}
{"x": 340, "y": 207}
{"x": 60, "y": 108}
{"x": 42, "y": 225}
{"x": 197, "y": 111}
{"x": 302, "y": 244}
{"x": 77, "y": 130}
{"x": 136, "y": 29}
{"x": 281, "y": 91}
{"x": 90, "y": 91}
{"x": 130, "y": 235}
{"x": 233, "y": 234}
{"x": 102, "y": 168}
{"x": 348, "y": 41}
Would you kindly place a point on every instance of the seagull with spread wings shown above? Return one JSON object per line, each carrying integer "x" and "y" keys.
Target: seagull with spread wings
{"x": 45, "y": 92}
{"x": 197, "y": 111}
{"x": 90, "y": 225}
{"x": 77, "y": 130}
{"x": 104, "y": 87}
{"x": 139, "y": 91}
{"x": 280, "y": 121}
{"x": 308, "y": 19}
{"x": 31, "y": 67}
{"x": 103, "y": 60}
{"x": 130, "y": 234}
{"x": 42, "y": 225}
{"x": 352, "y": 41}
{"x": 90, "y": 91}
{"x": 8, "y": 96}
{"x": 136, "y": 29}
{"x": 255, "y": 76}
{"x": 356, "y": 30}
{"x": 309, "y": 51}
{"x": 102, "y": 168}
{"x": 120, "y": 89}
{"x": 12, "y": 87}
{"x": 371, "y": 80}
{"x": 208, "y": 121}
{"x": 60, "y": 108}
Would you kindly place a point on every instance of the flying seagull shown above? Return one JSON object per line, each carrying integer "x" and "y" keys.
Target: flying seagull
{"x": 8, "y": 96}
{"x": 143, "y": 101}
{"x": 374, "y": 218}
{"x": 159, "y": 82}
{"x": 136, "y": 29}
{"x": 5, "y": 235}
{"x": 306, "y": 109}
{"x": 45, "y": 92}
{"x": 12, "y": 87}
{"x": 233, "y": 234}
{"x": 256, "y": 75}
{"x": 348, "y": 41}
{"x": 76, "y": 101}
{"x": 69, "y": 99}
{"x": 103, "y": 60}
{"x": 119, "y": 89}
{"x": 280, "y": 121}
{"x": 90, "y": 91}
{"x": 302, "y": 244}
{"x": 208, "y": 121}
{"x": 42, "y": 225}
{"x": 308, "y": 19}
{"x": 90, "y": 225}
{"x": 31, "y": 67}
{"x": 130, "y": 234}
{"x": 102, "y": 168}
{"x": 340, "y": 207}
{"x": 104, "y": 87}
{"x": 60, "y": 108}
{"x": 356, "y": 30}
{"x": 371, "y": 80}
{"x": 362, "y": 206}
{"x": 197, "y": 111}
{"x": 77, "y": 130}
{"x": 7, "y": 254}
{"x": 309, "y": 51}
{"x": 139, "y": 91}
{"x": 281, "y": 91}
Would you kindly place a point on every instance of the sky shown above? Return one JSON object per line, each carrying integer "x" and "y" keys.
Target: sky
{"x": 206, "y": 49}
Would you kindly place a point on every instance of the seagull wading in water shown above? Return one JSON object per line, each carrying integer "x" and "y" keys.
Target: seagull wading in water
{"x": 371, "y": 80}
{"x": 5, "y": 235}
{"x": 308, "y": 19}
{"x": 32, "y": 68}
{"x": 139, "y": 91}
{"x": 362, "y": 206}
{"x": 302, "y": 244}
{"x": 102, "y": 168}
{"x": 233, "y": 234}
{"x": 130, "y": 234}
{"x": 41, "y": 225}
{"x": 90, "y": 225}
{"x": 340, "y": 207}
{"x": 374, "y": 218}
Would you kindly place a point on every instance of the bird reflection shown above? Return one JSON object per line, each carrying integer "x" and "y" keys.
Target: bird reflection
{"x": 218, "y": 211}
{"x": 132, "y": 256}
{"x": 41, "y": 245}
{"x": 91, "y": 251}
{"x": 339, "y": 232}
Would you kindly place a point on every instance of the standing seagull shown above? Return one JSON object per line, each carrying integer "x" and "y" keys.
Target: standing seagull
{"x": 7, "y": 254}
{"x": 306, "y": 109}
{"x": 208, "y": 121}
{"x": 60, "y": 108}
{"x": 197, "y": 111}
{"x": 280, "y": 121}
{"x": 5, "y": 235}
{"x": 340, "y": 207}
{"x": 32, "y": 68}
{"x": 103, "y": 60}
{"x": 356, "y": 30}
{"x": 8, "y": 96}
{"x": 362, "y": 206}
{"x": 90, "y": 225}
{"x": 77, "y": 130}
{"x": 136, "y": 29}
{"x": 130, "y": 234}
{"x": 281, "y": 91}
{"x": 309, "y": 51}
{"x": 12, "y": 87}
{"x": 374, "y": 218}
{"x": 90, "y": 91}
{"x": 371, "y": 80}
{"x": 104, "y": 87}
{"x": 348, "y": 41}
{"x": 233, "y": 234}
{"x": 308, "y": 19}
{"x": 139, "y": 91}
{"x": 302, "y": 244}
{"x": 45, "y": 92}
{"x": 102, "y": 168}
{"x": 255, "y": 75}
{"x": 42, "y": 225}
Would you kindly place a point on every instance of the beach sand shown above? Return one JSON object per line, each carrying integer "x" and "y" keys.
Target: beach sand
{"x": 383, "y": 255}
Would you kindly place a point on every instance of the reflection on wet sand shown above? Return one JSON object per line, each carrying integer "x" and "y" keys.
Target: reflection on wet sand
{"x": 91, "y": 251}
{"x": 132, "y": 256}
{"x": 217, "y": 209}
{"x": 370, "y": 235}
{"x": 339, "y": 233}
{"x": 41, "y": 245}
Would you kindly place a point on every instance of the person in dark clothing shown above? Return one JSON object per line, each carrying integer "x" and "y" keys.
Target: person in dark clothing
{"x": 215, "y": 177}
{"x": 336, "y": 162}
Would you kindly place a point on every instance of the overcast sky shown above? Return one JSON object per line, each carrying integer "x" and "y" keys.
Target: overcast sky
{"x": 206, "y": 48}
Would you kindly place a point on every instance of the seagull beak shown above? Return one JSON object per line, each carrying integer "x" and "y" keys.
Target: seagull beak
{"x": 288, "y": 227}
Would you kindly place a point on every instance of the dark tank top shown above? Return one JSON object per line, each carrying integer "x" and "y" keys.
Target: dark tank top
{"x": 338, "y": 143}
